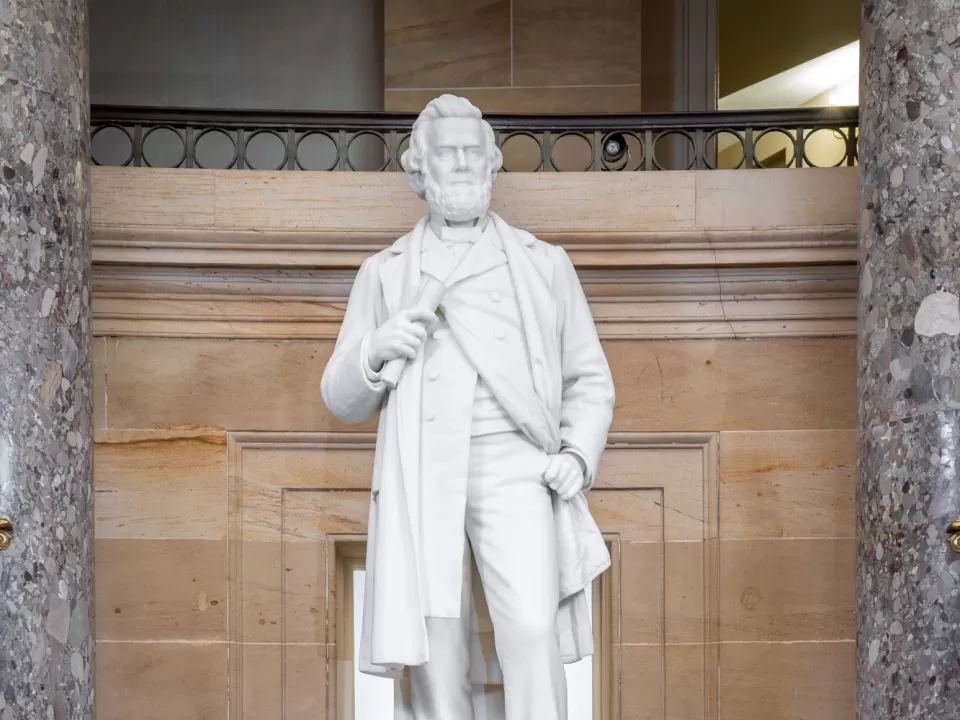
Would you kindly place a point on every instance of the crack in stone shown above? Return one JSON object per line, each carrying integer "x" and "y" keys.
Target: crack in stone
{"x": 716, "y": 270}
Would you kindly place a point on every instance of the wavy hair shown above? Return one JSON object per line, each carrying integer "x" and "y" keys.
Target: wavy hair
{"x": 445, "y": 106}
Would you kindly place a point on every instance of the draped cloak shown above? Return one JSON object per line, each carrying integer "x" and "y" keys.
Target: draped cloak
{"x": 570, "y": 407}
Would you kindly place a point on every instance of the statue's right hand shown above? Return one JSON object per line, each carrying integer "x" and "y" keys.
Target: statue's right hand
{"x": 400, "y": 336}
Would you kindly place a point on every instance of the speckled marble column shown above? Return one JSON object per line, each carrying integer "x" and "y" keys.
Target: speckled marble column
{"x": 908, "y": 579}
{"x": 46, "y": 389}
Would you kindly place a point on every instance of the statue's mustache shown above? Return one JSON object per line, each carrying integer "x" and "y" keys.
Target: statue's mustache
{"x": 461, "y": 200}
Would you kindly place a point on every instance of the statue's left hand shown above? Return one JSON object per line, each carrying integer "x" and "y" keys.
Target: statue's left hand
{"x": 564, "y": 475}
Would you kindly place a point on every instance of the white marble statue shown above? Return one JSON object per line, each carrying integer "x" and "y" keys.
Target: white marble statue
{"x": 489, "y": 434}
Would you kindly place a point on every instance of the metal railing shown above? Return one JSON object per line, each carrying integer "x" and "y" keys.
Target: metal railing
{"x": 230, "y": 139}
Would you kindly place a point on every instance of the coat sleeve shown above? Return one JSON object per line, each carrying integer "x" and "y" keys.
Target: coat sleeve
{"x": 586, "y": 407}
{"x": 350, "y": 390}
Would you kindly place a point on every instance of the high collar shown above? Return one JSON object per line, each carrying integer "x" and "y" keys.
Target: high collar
{"x": 492, "y": 221}
{"x": 486, "y": 229}
{"x": 437, "y": 223}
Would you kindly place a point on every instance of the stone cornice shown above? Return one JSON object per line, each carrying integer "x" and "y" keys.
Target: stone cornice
{"x": 629, "y": 304}
{"x": 701, "y": 254}
{"x": 188, "y": 247}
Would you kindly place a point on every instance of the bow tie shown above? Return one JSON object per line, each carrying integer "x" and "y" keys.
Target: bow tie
{"x": 453, "y": 235}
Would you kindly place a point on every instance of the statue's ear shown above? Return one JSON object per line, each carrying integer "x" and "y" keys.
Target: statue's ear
{"x": 415, "y": 178}
{"x": 497, "y": 161}
{"x": 406, "y": 161}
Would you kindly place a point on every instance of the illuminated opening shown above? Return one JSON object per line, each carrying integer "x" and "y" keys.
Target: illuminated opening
{"x": 373, "y": 697}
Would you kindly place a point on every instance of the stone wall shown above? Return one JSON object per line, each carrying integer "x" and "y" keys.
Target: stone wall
{"x": 726, "y": 302}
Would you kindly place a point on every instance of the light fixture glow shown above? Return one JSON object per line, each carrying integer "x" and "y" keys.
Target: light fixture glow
{"x": 834, "y": 74}
{"x": 834, "y": 68}
{"x": 846, "y": 93}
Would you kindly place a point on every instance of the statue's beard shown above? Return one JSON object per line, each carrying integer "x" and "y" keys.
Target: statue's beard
{"x": 457, "y": 203}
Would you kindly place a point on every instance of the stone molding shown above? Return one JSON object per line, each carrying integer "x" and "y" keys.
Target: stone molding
{"x": 298, "y": 500}
{"x": 190, "y": 247}
{"x": 628, "y": 304}
{"x": 667, "y": 255}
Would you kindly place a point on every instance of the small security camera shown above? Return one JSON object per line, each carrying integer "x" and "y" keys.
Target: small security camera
{"x": 614, "y": 148}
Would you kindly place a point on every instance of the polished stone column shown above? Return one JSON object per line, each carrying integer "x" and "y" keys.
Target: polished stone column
{"x": 909, "y": 491}
{"x": 46, "y": 388}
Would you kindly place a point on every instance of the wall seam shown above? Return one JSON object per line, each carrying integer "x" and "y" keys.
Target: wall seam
{"x": 511, "y": 43}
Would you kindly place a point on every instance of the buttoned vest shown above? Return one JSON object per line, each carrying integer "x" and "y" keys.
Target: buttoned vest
{"x": 458, "y": 405}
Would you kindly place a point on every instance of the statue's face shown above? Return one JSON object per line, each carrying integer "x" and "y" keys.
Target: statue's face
{"x": 457, "y": 158}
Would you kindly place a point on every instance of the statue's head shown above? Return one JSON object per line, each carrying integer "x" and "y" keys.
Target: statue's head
{"x": 453, "y": 158}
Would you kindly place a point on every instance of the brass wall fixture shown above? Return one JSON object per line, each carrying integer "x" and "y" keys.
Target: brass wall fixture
{"x": 6, "y": 533}
{"x": 953, "y": 530}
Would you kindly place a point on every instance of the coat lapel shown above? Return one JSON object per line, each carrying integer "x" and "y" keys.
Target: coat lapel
{"x": 391, "y": 280}
{"x": 538, "y": 313}
{"x": 436, "y": 259}
{"x": 488, "y": 255}
{"x": 398, "y": 272}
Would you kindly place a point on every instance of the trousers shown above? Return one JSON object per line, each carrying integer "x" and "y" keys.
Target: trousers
{"x": 510, "y": 531}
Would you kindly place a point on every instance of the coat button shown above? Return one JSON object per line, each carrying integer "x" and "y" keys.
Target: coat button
{"x": 499, "y": 334}
{"x": 429, "y": 416}
{"x": 433, "y": 375}
{"x": 495, "y": 296}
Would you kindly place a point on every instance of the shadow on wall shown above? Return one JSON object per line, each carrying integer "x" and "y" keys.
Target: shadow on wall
{"x": 310, "y": 55}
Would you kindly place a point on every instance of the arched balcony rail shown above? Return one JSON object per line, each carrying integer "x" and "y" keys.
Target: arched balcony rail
{"x": 231, "y": 139}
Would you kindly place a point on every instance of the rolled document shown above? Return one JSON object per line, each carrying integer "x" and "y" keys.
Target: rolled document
{"x": 430, "y": 296}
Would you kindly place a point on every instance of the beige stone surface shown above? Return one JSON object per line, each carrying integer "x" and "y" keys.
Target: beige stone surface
{"x": 787, "y": 590}
{"x": 156, "y": 383}
{"x": 576, "y": 42}
{"x": 731, "y": 198}
{"x": 627, "y": 304}
{"x": 159, "y": 681}
{"x": 731, "y": 385}
{"x": 661, "y": 386}
{"x": 169, "y": 590}
{"x": 795, "y": 484}
{"x": 371, "y": 202}
{"x": 290, "y": 219}
{"x": 435, "y": 44}
{"x": 212, "y": 448}
{"x": 793, "y": 681}
{"x": 664, "y": 682}
{"x": 176, "y": 197}
{"x": 160, "y": 484}
{"x": 663, "y": 593}
{"x": 292, "y": 677}
{"x": 518, "y": 100}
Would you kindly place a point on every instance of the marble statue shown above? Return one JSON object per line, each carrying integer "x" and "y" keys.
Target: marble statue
{"x": 475, "y": 342}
